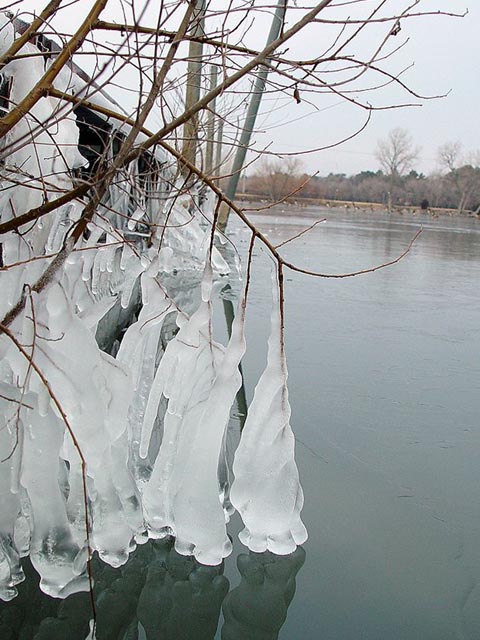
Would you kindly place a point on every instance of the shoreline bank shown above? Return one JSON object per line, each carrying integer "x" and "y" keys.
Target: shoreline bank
{"x": 360, "y": 207}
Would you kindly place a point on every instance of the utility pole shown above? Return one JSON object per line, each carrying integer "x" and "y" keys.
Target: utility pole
{"x": 218, "y": 151}
{"x": 249, "y": 125}
{"x": 211, "y": 124}
{"x": 194, "y": 80}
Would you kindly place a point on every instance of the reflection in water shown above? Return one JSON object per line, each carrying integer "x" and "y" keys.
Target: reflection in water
{"x": 36, "y": 616}
{"x": 257, "y": 608}
{"x": 160, "y": 595}
{"x": 181, "y": 599}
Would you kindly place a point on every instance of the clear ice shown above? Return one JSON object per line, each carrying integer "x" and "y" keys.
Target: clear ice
{"x": 123, "y": 344}
{"x": 266, "y": 490}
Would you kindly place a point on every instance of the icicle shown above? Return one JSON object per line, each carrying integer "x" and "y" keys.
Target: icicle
{"x": 133, "y": 267}
{"x": 61, "y": 224}
{"x": 89, "y": 256}
{"x": 94, "y": 392}
{"x": 199, "y": 514}
{"x": 138, "y": 351}
{"x": 10, "y": 570}
{"x": 53, "y": 551}
{"x": 184, "y": 377}
{"x": 137, "y": 215}
{"x": 266, "y": 490}
{"x": 200, "y": 381}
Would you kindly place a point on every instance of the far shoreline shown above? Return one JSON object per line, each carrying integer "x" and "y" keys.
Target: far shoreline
{"x": 266, "y": 205}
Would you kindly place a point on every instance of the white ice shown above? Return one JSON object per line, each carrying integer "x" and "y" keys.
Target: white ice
{"x": 151, "y": 421}
{"x": 266, "y": 490}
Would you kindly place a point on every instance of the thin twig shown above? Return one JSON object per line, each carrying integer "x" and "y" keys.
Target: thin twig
{"x": 298, "y": 235}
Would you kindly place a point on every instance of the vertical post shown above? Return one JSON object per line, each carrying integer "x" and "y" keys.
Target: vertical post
{"x": 258, "y": 89}
{"x": 211, "y": 124}
{"x": 194, "y": 78}
{"x": 218, "y": 152}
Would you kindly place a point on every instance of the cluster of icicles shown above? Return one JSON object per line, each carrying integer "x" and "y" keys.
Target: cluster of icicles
{"x": 98, "y": 453}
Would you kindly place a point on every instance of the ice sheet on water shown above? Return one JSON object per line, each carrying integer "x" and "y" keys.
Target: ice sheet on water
{"x": 266, "y": 490}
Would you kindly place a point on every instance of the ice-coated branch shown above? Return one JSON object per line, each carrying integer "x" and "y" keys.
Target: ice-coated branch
{"x": 43, "y": 84}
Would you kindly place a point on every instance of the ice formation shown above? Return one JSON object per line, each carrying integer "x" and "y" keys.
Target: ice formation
{"x": 200, "y": 380}
{"x": 126, "y": 372}
{"x": 266, "y": 490}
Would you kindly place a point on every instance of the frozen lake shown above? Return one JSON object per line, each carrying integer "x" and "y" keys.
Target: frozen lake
{"x": 385, "y": 391}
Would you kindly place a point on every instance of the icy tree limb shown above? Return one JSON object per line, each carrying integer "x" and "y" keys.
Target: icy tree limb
{"x": 42, "y": 86}
{"x": 19, "y": 42}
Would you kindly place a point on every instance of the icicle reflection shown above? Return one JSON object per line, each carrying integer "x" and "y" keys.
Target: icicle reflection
{"x": 164, "y": 595}
{"x": 258, "y": 607}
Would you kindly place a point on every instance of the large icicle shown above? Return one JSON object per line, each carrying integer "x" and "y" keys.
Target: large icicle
{"x": 11, "y": 572}
{"x": 59, "y": 560}
{"x": 200, "y": 380}
{"x": 266, "y": 490}
{"x": 138, "y": 352}
{"x": 184, "y": 377}
{"x": 199, "y": 514}
{"x": 94, "y": 391}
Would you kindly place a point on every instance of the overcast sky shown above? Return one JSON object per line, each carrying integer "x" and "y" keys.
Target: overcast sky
{"x": 446, "y": 56}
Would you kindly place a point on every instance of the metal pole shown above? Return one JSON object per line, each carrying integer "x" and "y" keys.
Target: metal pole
{"x": 219, "y": 149}
{"x": 194, "y": 80}
{"x": 258, "y": 89}
{"x": 211, "y": 124}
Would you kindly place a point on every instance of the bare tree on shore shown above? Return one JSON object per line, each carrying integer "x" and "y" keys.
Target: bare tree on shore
{"x": 461, "y": 175}
{"x": 396, "y": 155}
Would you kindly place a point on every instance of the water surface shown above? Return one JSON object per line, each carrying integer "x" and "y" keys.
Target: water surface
{"x": 385, "y": 392}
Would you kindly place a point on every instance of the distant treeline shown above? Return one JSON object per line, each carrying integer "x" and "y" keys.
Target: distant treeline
{"x": 458, "y": 189}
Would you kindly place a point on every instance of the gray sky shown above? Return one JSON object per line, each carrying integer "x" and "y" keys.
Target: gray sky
{"x": 446, "y": 56}
{"x": 446, "y": 53}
